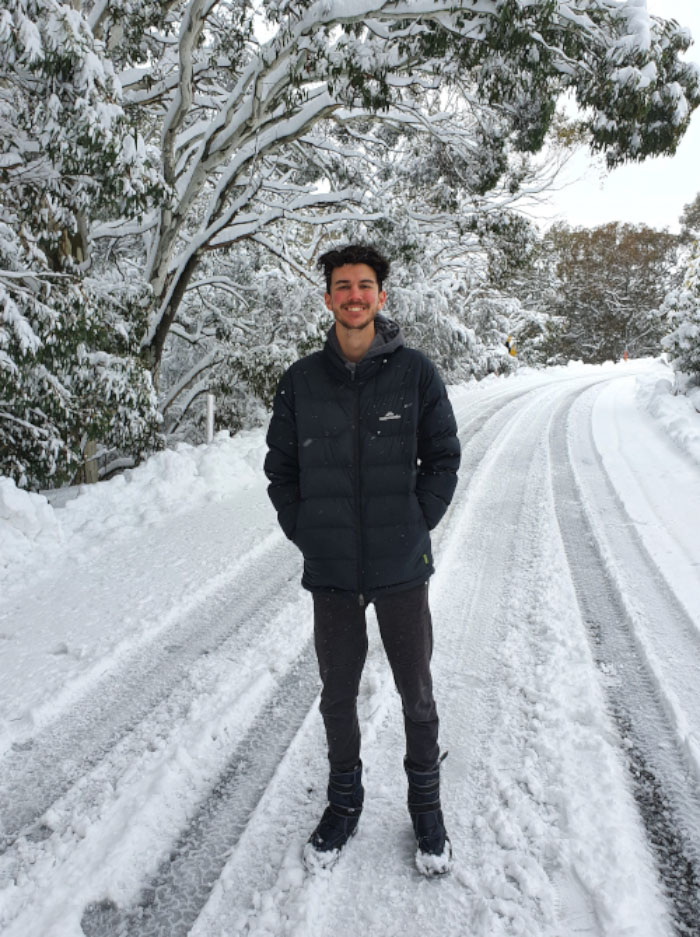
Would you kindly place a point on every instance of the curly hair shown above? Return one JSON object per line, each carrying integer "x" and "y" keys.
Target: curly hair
{"x": 354, "y": 254}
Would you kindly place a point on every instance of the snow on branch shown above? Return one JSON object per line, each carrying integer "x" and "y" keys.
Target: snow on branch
{"x": 203, "y": 365}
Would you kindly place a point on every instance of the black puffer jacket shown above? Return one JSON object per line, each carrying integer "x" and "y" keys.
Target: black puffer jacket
{"x": 362, "y": 463}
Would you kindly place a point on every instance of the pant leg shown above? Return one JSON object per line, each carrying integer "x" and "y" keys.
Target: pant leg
{"x": 340, "y": 635}
{"x": 407, "y": 633}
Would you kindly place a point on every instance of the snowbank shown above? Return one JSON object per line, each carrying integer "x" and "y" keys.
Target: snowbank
{"x": 169, "y": 482}
{"x": 677, "y": 414}
{"x": 27, "y": 522}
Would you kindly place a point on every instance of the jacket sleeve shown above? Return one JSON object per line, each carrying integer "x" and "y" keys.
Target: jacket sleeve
{"x": 282, "y": 461}
{"x": 438, "y": 449}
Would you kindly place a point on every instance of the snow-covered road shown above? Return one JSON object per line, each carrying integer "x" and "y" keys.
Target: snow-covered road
{"x": 161, "y": 753}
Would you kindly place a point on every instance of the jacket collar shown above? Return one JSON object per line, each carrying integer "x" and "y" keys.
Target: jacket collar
{"x": 388, "y": 337}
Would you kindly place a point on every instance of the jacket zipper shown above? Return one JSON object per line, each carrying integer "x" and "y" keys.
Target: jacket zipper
{"x": 358, "y": 500}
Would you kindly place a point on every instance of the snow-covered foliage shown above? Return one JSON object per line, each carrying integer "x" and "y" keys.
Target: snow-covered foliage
{"x": 67, "y": 150}
{"x": 242, "y": 323}
{"x": 682, "y": 308}
{"x": 67, "y": 368}
{"x": 69, "y": 333}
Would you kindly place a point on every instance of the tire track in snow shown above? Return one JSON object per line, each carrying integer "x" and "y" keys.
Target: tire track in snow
{"x": 37, "y": 772}
{"x": 491, "y": 591}
{"x": 172, "y": 901}
{"x": 668, "y": 804}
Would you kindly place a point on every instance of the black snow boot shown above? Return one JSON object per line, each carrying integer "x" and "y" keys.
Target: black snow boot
{"x": 339, "y": 821}
{"x": 434, "y": 853}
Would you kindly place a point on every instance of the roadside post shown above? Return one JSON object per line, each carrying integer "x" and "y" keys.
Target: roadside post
{"x": 210, "y": 417}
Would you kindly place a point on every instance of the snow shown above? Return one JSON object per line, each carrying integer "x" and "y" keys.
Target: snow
{"x": 657, "y": 485}
{"x": 170, "y": 482}
{"x": 639, "y": 23}
{"x": 28, "y": 341}
{"x": 156, "y": 646}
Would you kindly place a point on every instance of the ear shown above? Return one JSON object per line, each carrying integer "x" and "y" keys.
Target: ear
{"x": 382, "y": 298}
{"x": 327, "y": 297}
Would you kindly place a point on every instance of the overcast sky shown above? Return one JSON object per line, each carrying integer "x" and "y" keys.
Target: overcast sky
{"x": 653, "y": 192}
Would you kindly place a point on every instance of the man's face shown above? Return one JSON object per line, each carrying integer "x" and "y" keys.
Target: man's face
{"x": 355, "y": 297}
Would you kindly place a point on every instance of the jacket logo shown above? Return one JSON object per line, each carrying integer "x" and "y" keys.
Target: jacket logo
{"x": 389, "y": 415}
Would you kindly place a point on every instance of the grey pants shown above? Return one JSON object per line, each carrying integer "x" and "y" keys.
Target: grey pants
{"x": 340, "y": 633}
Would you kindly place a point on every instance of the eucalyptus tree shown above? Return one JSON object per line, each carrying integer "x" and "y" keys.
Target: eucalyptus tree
{"x": 241, "y": 90}
{"x": 246, "y": 316}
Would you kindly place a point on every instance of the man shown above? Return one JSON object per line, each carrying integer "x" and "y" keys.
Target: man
{"x": 362, "y": 463}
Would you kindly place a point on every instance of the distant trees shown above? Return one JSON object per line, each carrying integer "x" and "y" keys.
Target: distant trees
{"x": 605, "y": 286}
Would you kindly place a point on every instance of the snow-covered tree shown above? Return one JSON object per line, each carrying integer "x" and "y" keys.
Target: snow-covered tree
{"x": 68, "y": 153}
{"x": 533, "y": 289}
{"x": 610, "y": 282}
{"x": 69, "y": 341}
{"x": 245, "y": 319}
{"x": 682, "y": 308}
{"x": 67, "y": 373}
{"x": 258, "y": 293}
{"x": 259, "y": 105}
